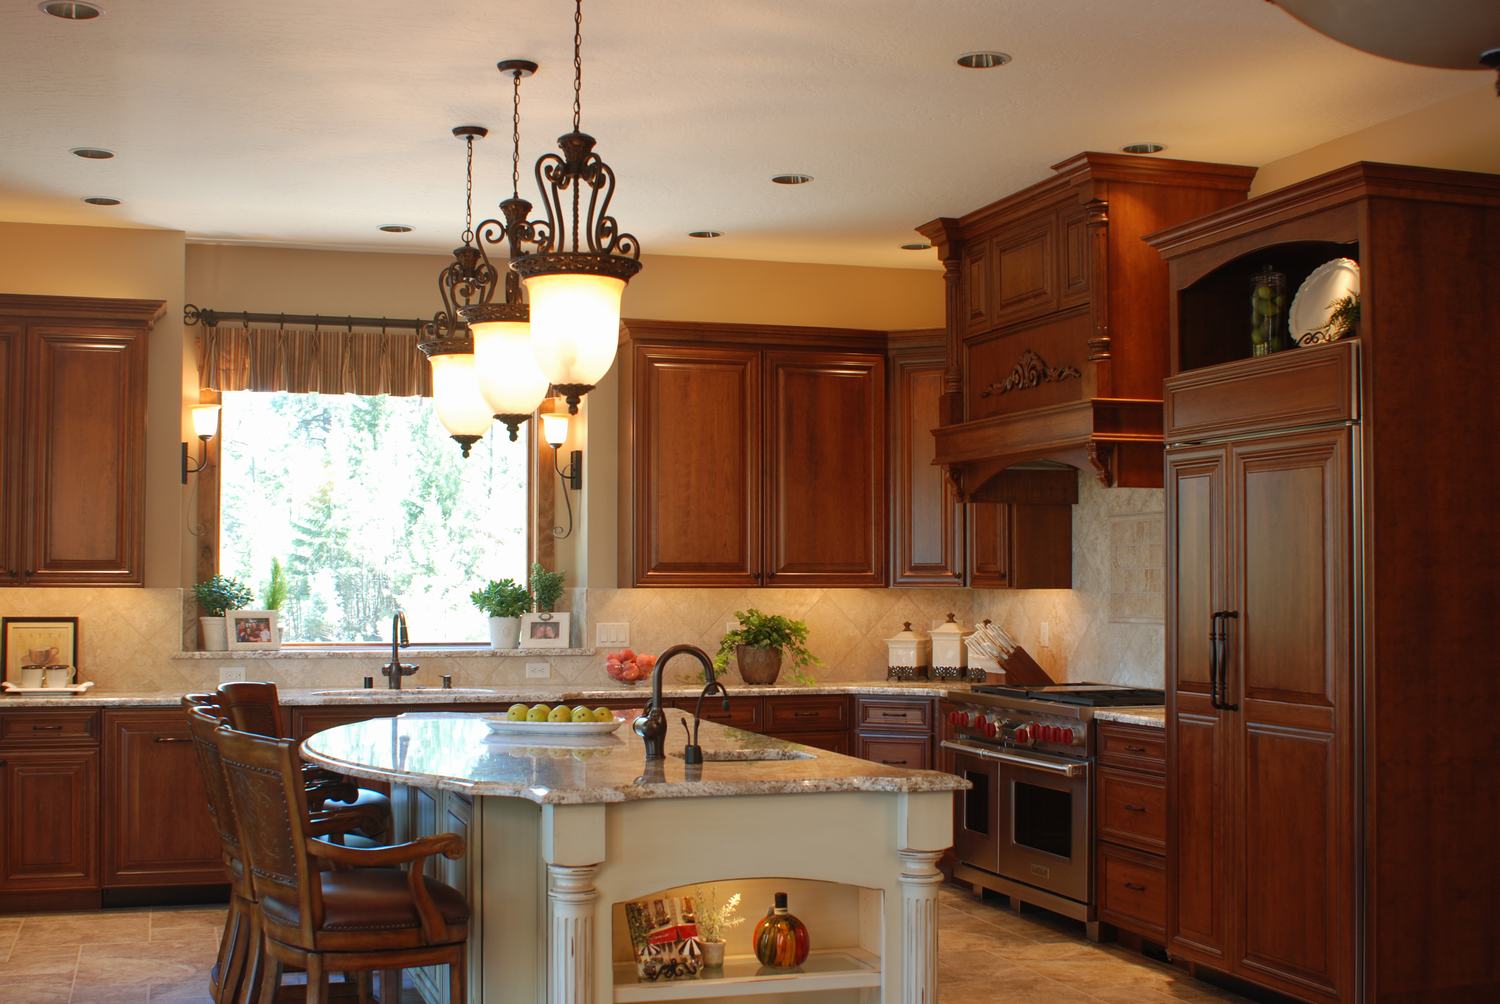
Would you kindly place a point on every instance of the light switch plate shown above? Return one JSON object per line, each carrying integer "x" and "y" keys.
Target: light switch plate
{"x": 538, "y": 670}
{"x": 231, "y": 674}
{"x": 613, "y": 633}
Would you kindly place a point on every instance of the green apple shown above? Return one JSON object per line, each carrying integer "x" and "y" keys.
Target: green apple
{"x": 560, "y": 714}
{"x": 517, "y": 713}
{"x": 582, "y": 715}
{"x": 538, "y": 713}
{"x": 602, "y": 715}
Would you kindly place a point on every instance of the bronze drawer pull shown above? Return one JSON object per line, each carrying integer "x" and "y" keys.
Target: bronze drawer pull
{"x": 805, "y": 714}
{"x": 1134, "y": 808}
{"x": 894, "y": 763}
{"x": 1135, "y": 886}
{"x": 173, "y": 739}
{"x": 1135, "y": 749}
{"x": 46, "y": 728}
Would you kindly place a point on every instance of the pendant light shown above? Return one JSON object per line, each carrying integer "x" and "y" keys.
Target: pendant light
{"x": 509, "y": 378}
{"x": 577, "y": 274}
{"x": 448, "y": 344}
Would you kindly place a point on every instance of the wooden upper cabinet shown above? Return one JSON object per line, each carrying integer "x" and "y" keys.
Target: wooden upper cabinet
{"x": 73, "y": 439}
{"x": 1013, "y": 546}
{"x": 1024, "y": 275}
{"x": 976, "y": 289}
{"x": 927, "y": 521}
{"x": 825, "y": 469}
{"x": 697, "y": 466}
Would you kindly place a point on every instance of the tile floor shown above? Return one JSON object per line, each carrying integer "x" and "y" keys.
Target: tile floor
{"x": 986, "y": 953}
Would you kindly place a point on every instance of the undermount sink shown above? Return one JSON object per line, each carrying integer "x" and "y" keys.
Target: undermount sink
{"x": 751, "y": 755}
{"x": 387, "y": 692}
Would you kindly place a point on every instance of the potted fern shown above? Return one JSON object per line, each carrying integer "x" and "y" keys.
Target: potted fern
{"x": 503, "y": 602}
{"x": 759, "y": 644}
{"x": 216, "y": 597}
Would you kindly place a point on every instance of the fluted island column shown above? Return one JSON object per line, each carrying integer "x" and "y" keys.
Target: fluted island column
{"x": 570, "y": 903}
{"x": 920, "y": 879}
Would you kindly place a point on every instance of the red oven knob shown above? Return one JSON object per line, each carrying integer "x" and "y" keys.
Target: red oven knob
{"x": 953, "y": 718}
{"x": 991, "y": 730}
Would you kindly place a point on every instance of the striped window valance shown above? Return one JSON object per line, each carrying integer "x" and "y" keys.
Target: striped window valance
{"x": 307, "y": 361}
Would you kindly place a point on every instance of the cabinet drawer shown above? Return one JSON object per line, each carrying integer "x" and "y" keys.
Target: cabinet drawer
{"x": 743, "y": 713}
{"x": 1133, "y": 746}
{"x": 833, "y": 742}
{"x": 895, "y": 714}
{"x": 31, "y": 727}
{"x": 814, "y": 714}
{"x": 1133, "y": 890}
{"x": 1307, "y": 387}
{"x": 1132, "y": 810}
{"x": 895, "y": 751}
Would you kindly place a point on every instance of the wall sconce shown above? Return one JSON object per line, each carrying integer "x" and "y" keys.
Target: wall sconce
{"x": 205, "y": 425}
{"x": 554, "y": 416}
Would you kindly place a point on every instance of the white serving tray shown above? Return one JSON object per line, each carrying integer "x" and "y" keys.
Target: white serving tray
{"x": 500, "y": 725}
{"x": 72, "y": 691}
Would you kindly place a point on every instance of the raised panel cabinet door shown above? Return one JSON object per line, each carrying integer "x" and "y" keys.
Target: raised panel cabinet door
{"x": 825, "y": 469}
{"x": 697, "y": 464}
{"x": 1076, "y": 253}
{"x": 1290, "y": 671}
{"x": 1199, "y": 744}
{"x": 1023, "y": 270}
{"x": 976, "y": 280}
{"x": 12, "y": 453}
{"x": 928, "y": 538}
{"x": 157, "y": 830}
{"x": 988, "y": 552}
{"x": 87, "y": 429}
{"x": 50, "y": 836}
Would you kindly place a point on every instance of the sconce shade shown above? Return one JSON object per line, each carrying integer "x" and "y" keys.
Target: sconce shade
{"x": 456, "y": 397}
{"x": 510, "y": 380}
{"x": 205, "y": 420}
{"x": 554, "y": 416}
{"x": 575, "y": 327}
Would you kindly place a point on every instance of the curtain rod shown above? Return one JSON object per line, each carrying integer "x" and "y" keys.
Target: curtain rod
{"x": 210, "y": 318}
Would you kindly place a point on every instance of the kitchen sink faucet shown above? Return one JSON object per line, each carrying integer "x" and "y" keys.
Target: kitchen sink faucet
{"x": 652, "y": 725}
{"x": 394, "y": 670}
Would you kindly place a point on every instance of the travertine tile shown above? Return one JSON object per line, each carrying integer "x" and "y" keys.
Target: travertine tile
{"x": 178, "y": 925}
{"x": 58, "y": 930}
{"x": 35, "y": 989}
{"x": 57, "y": 962}
{"x": 144, "y": 964}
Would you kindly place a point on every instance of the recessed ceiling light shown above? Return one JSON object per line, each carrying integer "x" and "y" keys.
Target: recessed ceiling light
{"x": 791, "y": 179}
{"x": 101, "y": 200}
{"x": 1143, "y": 148}
{"x": 70, "y": 11}
{"x": 983, "y": 60}
{"x": 916, "y": 247}
{"x": 705, "y": 234}
{"x": 92, "y": 153}
{"x": 394, "y": 228}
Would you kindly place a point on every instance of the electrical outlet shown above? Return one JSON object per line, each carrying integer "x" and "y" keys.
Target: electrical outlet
{"x": 1046, "y": 634}
{"x": 538, "y": 670}
{"x": 231, "y": 674}
{"x": 613, "y": 634}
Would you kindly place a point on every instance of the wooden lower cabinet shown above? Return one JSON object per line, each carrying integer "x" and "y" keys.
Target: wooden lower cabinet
{"x": 1131, "y": 890}
{"x": 913, "y": 752}
{"x": 895, "y": 731}
{"x": 1130, "y": 829}
{"x": 833, "y": 742}
{"x": 49, "y": 837}
{"x": 157, "y": 829}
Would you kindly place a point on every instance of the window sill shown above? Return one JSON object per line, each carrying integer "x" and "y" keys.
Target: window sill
{"x": 425, "y": 652}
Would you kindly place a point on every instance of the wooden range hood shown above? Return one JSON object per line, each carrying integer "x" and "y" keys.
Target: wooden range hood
{"x": 1057, "y": 320}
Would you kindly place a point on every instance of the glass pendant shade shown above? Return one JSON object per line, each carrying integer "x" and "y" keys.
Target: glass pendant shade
{"x": 575, "y": 327}
{"x": 509, "y": 378}
{"x": 456, "y": 397}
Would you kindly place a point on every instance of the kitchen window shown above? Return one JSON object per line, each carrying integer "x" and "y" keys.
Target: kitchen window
{"x": 368, "y": 505}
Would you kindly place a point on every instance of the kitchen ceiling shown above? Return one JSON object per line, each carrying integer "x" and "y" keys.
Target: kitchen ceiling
{"x": 286, "y": 122}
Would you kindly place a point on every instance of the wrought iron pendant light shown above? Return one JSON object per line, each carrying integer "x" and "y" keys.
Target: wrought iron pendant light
{"x": 582, "y": 261}
{"x": 512, "y": 383}
{"x": 449, "y": 347}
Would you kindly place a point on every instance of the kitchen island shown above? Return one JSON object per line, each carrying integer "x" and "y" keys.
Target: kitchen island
{"x": 561, "y": 838}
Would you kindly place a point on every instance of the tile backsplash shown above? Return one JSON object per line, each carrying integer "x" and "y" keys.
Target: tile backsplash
{"x": 1107, "y": 628}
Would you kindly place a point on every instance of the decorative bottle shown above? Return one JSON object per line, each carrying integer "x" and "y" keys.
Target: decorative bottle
{"x": 780, "y": 938}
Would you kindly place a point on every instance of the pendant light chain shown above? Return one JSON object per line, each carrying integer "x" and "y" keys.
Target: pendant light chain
{"x": 468, "y": 234}
{"x": 515, "y": 139}
{"x": 577, "y": 63}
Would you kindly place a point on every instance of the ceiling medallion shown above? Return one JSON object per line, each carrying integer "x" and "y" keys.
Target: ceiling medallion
{"x": 1031, "y": 371}
{"x": 577, "y": 274}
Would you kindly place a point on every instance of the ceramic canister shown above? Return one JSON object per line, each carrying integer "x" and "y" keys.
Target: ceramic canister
{"x": 908, "y": 654}
{"x": 949, "y": 654}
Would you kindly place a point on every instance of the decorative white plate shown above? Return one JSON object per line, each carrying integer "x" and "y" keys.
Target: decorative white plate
{"x": 70, "y": 691}
{"x": 500, "y": 725}
{"x": 1313, "y": 304}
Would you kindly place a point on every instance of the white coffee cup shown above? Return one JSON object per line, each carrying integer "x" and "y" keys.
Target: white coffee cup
{"x": 31, "y": 677}
{"x": 58, "y": 677}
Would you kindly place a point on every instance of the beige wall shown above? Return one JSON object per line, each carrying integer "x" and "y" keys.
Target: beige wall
{"x": 1461, "y": 134}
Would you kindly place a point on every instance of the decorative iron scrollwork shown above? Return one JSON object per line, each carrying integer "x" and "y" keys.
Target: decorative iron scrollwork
{"x": 1031, "y": 371}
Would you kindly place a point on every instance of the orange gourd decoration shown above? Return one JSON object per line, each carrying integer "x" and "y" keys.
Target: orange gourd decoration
{"x": 781, "y": 939}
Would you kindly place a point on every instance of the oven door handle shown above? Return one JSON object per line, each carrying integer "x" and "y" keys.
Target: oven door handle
{"x": 1060, "y": 767}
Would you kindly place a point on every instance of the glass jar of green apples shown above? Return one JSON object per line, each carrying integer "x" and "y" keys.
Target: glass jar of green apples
{"x": 1268, "y": 312}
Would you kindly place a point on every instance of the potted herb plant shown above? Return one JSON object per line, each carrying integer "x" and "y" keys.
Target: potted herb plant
{"x": 504, "y": 602}
{"x": 759, "y": 644}
{"x": 544, "y": 628}
{"x": 546, "y": 588}
{"x": 714, "y": 921}
{"x": 275, "y": 595}
{"x": 216, "y": 597}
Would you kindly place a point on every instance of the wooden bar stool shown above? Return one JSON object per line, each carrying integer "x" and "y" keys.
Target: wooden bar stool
{"x": 366, "y": 914}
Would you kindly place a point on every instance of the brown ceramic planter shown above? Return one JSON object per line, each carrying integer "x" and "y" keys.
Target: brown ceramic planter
{"x": 758, "y": 666}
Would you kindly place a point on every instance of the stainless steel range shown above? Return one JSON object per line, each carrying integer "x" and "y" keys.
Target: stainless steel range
{"x": 1024, "y": 828}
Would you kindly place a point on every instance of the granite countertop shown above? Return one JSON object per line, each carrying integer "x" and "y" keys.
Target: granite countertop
{"x": 1151, "y": 718}
{"x": 456, "y": 751}
{"x": 551, "y": 693}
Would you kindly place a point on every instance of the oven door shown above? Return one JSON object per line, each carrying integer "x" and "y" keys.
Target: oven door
{"x": 976, "y": 835}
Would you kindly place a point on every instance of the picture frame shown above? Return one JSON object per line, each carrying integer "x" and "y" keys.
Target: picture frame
{"x": 22, "y": 637}
{"x": 545, "y": 630}
{"x": 252, "y": 630}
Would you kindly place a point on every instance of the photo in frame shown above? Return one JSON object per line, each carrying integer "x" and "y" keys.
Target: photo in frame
{"x": 251, "y": 630}
{"x": 37, "y": 641}
{"x": 545, "y": 630}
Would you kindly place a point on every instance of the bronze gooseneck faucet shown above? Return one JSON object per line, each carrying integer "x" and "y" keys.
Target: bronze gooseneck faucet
{"x": 652, "y": 725}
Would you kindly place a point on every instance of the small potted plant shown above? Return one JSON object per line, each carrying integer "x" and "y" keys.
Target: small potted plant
{"x": 759, "y": 644}
{"x": 544, "y": 628}
{"x": 504, "y": 602}
{"x": 277, "y": 588}
{"x": 714, "y": 921}
{"x": 216, "y": 597}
